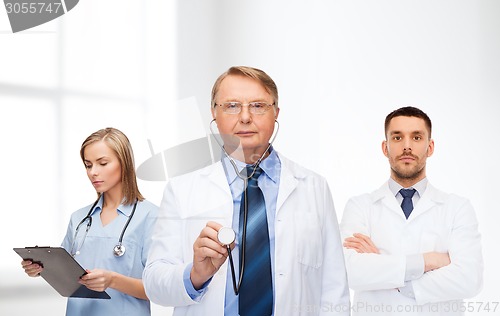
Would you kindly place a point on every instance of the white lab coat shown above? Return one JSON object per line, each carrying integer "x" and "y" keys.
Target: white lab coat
{"x": 440, "y": 222}
{"x": 310, "y": 276}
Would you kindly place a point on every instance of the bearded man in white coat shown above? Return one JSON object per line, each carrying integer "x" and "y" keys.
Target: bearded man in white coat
{"x": 188, "y": 265}
{"x": 413, "y": 255}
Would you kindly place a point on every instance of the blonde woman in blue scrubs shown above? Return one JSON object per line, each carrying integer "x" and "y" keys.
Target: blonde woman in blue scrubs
{"x": 108, "y": 159}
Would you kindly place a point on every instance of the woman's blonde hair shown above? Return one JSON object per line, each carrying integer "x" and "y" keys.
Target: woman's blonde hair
{"x": 119, "y": 143}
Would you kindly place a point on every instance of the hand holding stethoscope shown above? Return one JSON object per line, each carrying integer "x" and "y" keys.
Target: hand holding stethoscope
{"x": 226, "y": 235}
{"x": 209, "y": 254}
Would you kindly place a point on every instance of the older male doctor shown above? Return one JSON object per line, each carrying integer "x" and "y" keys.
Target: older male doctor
{"x": 410, "y": 248}
{"x": 293, "y": 260}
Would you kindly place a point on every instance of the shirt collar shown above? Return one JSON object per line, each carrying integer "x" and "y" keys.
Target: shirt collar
{"x": 98, "y": 206}
{"x": 268, "y": 165}
{"x": 124, "y": 209}
{"x": 419, "y": 186}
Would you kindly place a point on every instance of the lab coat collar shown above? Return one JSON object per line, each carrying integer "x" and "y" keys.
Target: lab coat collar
{"x": 385, "y": 195}
{"x": 429, "y": 199}
{"x": 288, "y": 181}
{"x": 289, "y": 178}
{"x": 268, "y": 166}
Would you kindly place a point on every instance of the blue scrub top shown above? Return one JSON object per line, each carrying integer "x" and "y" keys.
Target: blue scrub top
{"x": 96, "y": 252}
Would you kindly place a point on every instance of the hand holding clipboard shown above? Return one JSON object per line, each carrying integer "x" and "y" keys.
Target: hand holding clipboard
{"x": 60, "y": 270}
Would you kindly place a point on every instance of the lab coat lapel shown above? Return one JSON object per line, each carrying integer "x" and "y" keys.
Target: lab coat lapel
{"x": 217, "y": 177}
{"x": 386, "y": 197}
{"x": 218, "y": 201}
{"x": 427, "y": 201}
{"x": 287, "y": 185}
{"x": 430, "y": 198}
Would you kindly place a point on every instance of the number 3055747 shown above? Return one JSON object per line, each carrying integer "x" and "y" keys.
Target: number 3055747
{"x": 32, "y": 7}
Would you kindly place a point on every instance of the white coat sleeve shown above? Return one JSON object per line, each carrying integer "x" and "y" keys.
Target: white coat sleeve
{"x": 335, "y": 290}
{"x": 463, "y": 278}
{"x": 368, "y": 271}
{"x": 163, "y": 274}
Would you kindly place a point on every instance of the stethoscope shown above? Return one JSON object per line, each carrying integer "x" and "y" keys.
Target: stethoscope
{"x": 226, "y": 235}
{"x": 118, "y": 250}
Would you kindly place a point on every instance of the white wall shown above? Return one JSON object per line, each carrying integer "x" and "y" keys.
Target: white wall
{"x": 340, "y": 66}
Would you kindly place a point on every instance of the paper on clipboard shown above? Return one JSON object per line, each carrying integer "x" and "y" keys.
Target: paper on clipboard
{"x": 60, "y": 270}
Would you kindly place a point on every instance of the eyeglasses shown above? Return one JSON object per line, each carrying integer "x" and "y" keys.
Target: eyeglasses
{"x": 253, "y": 107}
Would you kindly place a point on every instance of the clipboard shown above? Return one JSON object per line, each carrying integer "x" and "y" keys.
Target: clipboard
{"x": 60, "y": 270}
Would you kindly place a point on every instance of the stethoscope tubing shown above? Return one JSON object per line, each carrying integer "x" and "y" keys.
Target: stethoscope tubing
{"x": 89, "y": 223}
{"x": 233, "y": 163}
{"x": 236, "y": 287}
{"x": 120, "y": 240}
{"x": 121, "y": 249}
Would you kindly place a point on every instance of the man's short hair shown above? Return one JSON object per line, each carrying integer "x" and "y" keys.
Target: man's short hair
{"x": 250, "y": 72}
{"x": 411, "y": 112}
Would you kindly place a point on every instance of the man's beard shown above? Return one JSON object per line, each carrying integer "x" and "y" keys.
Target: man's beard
{"x": 408, "y": 174}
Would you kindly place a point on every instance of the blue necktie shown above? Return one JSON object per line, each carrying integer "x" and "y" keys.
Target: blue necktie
{"x": 407, "y": 204}
{"x": 255, "y": 296}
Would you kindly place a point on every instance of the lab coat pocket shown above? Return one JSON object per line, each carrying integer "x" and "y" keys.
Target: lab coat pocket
{"x": 309, "y": 241}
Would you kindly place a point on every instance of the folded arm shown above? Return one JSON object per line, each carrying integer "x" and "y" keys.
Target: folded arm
{"x": 367, "y": 269}
{"x": 456, "y": 274}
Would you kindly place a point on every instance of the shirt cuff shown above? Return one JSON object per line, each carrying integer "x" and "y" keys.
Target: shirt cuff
{"x": 195, "y": 294}
{"x": 414, "y": 267}
{"x": 407, "y": 290}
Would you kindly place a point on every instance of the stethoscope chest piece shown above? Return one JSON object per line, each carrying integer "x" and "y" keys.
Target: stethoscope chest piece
{"x": 119, "y": 250}
{"x": 226, "y": 235}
